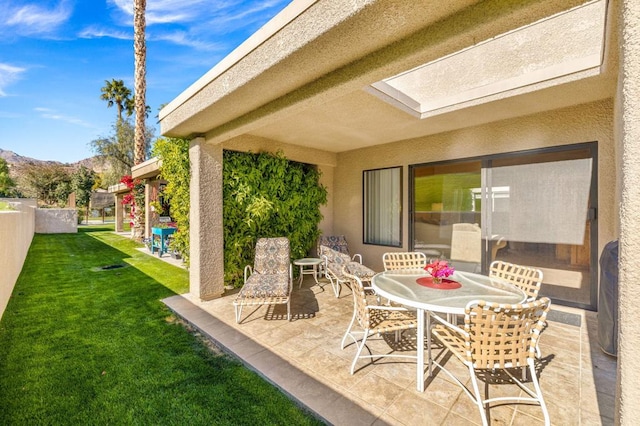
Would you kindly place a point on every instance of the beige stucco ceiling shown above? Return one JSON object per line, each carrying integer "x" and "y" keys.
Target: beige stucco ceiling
{"x": 308, "y": 79}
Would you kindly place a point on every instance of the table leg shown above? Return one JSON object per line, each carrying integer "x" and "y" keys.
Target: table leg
{"x": 429, "y": 360}
{"x": 301, "y": 276}
{"x": 420, "y": 348}
{"x": 315, "y": 273}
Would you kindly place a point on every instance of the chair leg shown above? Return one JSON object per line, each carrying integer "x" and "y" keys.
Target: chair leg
{"x": 478, "y": 398}
{"x": 348, "y": 332}
{"x": 360, "y": 347}
{"x": 536, "y": 385}
{"x": 335, "y": 284}
{"x": 238, "y": 313}
{"x": 289, "y": 310}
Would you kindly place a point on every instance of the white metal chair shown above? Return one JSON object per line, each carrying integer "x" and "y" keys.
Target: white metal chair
{"x": 496, "y": 338}
{"x": 269, "y": 281}
{"x": 374, "y": 320}
{"x": 404, "y": 260}
{"x": 526, "y": 278}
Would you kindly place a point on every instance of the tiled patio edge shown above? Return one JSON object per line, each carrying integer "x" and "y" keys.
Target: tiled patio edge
{"x": 320, "y": 400}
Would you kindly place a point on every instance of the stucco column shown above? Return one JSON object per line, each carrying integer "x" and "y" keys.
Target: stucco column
{"x": 119, "y": 212}
{"x": 628, "y": 128}
{"x": 206, "y": 237}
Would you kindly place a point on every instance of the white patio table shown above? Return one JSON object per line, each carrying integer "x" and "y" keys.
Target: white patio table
{"x": 402, "y": 286}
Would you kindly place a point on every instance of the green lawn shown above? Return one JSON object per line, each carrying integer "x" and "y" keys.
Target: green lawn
{"x": 82, "y": 345}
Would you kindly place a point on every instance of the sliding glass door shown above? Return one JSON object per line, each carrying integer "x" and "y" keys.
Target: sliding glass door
{"x": 533, "y": 208}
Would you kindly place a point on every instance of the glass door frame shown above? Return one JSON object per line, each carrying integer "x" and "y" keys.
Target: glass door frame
{"x": 487, "y": 162}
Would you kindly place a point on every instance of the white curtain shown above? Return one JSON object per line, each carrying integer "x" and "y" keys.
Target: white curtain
{"x": 382, "y": 206}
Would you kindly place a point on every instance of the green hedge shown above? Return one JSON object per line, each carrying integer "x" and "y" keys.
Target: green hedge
{"x": 266, "y": 195}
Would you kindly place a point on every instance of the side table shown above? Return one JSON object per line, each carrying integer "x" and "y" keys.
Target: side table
{"x": 308, "y": 266}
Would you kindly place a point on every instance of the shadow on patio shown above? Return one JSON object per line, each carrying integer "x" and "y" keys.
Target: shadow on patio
{"x": 304, "y": 359}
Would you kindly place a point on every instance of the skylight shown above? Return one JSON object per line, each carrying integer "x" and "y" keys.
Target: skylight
{"x": 569, "y": 45}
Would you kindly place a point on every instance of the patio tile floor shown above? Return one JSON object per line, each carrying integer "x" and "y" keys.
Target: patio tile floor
{"x": 303, "y": 358}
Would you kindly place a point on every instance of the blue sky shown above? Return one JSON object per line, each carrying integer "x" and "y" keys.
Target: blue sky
{"x": 56, "y": 55}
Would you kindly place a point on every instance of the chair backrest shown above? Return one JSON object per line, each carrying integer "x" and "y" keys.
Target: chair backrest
{"x": 272, "y": 256}
{"x": 359, "y": 298}
{"x": 503, "y": 336}
{"x": 528, "y": 279}
{"x": 466, "y": 242}
{"x": 334, "y": 256}
{"x": 404, "y": 260}
{"x": 334, "y": 242}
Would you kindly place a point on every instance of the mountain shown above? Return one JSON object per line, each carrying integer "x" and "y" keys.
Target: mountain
{"x": 14, "y": 160}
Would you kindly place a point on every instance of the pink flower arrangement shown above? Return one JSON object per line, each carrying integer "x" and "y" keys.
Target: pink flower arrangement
{"x": 439, "y": 269}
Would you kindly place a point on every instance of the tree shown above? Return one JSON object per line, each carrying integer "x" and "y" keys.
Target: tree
{"x": 118, "y": 151}
{"x": 82, "y": 182}
{"x": 7, "y": 184}
{"x": 48, "y": 183}
{"x": 140, "y": 68}
{"x": 140, "y": 58}
{"x": 116, "y": 93}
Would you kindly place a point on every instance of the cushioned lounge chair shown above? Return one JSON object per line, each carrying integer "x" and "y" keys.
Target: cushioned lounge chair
{"x": 269, "y": 281}
{"x": 335, "y": 261}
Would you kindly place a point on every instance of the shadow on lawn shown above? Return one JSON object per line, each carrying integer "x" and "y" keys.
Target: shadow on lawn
{"x": 118, "y": 250}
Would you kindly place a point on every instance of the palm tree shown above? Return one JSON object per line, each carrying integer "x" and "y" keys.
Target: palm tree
{"x": 116, "y": 93}
{"x": 140, "y": 56}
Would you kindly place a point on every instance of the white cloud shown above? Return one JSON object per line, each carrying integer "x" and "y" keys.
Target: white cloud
{"x": 167, "y": 11}
{"x": 34, "y": 19}
{"x": 8, "y": 74}
{"x": 183, "y": 38}
{"x": 54, "y": 115}
{"x": 100, "y": 32}
{"x": 197, "y": 23}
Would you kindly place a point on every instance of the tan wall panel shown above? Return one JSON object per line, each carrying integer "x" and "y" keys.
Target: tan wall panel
{"x": 16, "y": 233}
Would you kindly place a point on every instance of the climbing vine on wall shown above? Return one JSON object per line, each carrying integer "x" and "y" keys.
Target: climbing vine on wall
{"x": 266, "y": 195}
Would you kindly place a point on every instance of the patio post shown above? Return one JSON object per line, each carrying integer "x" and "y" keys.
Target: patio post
{"x": 206, "y": 237}
{"x": 119, "y": 212}
{"x": 627, "y": 132}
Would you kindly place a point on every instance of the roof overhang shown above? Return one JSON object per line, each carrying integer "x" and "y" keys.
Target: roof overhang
{"x": 117, "y": 189}
{"x": 306, "y": 78}
{"x": 148, "y": 169}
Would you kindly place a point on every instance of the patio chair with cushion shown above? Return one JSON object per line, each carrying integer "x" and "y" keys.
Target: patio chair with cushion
{"x": 404, "y": 260}
{"x": 495, "y": 340}
{"x": 374, "y": 320}
{"x": 339, "y": 244}
{"x": 334, "y": 261}
{"x": 269, "y": 281}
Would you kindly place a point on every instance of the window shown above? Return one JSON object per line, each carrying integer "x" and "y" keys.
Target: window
{"x": 382, "y": 195}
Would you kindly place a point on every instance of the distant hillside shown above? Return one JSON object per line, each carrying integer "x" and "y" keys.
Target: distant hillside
{"x": 14, "y": 160}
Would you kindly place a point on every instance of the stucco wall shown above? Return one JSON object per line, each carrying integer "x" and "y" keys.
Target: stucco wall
{"x": 16, "y": 232}
{"x": 56, "y": 221}
{"x": 583, "y": 123}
